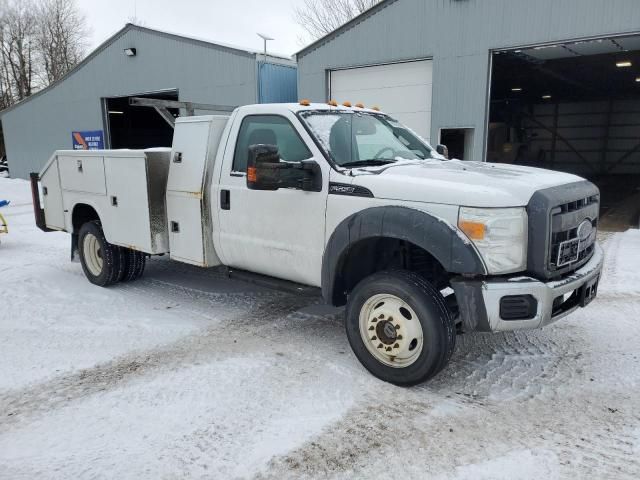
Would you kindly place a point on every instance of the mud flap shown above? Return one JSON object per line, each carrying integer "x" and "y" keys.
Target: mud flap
{"x": 74, "y": 248}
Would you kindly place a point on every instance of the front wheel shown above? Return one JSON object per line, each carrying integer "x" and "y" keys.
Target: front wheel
{"x": 399, "y": 327}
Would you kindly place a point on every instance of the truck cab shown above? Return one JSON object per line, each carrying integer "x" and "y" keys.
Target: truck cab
{"x": 415, "y": 246}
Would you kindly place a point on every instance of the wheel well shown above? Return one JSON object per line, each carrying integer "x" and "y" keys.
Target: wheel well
{"x": 382, "y": 253}
{"x": 83, "y": 213}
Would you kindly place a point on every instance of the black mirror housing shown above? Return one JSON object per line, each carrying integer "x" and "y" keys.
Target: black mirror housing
{"x": 263, "y": 164}
{"x": 443, "y": 150}
{"x": 266, "y": 171}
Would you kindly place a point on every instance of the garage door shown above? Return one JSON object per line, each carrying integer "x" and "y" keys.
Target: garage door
{"x": 403, "y": 90}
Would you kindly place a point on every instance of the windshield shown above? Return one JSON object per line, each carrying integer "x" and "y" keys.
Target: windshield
{"x": 365, "y": 139}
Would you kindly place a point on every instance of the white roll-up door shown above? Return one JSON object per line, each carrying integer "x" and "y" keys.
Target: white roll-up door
{"x": 403, "y": 90}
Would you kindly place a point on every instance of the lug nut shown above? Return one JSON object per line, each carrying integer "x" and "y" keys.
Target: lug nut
{"x": 397, "y": 327}
{"x": 397, "y": 345}
{"x": 399, "y": 337}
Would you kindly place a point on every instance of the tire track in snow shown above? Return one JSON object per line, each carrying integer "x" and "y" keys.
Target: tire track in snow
{"x": 590, "y": 441}
{"x": 202, "y": 346}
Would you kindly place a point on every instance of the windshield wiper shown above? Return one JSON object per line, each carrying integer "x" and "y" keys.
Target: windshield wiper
{"x": 372, "y": 162}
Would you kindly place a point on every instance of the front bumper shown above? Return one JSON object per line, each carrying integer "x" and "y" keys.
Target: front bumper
{"x": 479, "y": 300}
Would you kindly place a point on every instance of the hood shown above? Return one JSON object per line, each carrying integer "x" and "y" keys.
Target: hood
{"x": 457, "y": 182}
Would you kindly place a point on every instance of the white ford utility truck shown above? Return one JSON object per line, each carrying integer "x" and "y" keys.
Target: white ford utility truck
{"x": 416, "y": 246}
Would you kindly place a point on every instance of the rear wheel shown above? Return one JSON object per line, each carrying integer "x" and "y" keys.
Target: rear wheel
{"x": 400, "y": 327}
{"x": 102, "y": 262}
{"x": 134, "y": 263}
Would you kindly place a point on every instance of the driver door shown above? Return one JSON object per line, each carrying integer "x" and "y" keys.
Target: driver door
{"x": 277, "y": 233}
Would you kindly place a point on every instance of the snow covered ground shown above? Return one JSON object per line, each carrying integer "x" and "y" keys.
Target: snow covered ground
{"x": 186, "y": 374}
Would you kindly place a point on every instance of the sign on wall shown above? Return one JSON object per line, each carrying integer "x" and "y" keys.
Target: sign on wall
{"x": 90, "y": 140}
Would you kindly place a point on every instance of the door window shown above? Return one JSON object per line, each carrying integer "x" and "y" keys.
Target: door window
{"x": 269, "y": 130}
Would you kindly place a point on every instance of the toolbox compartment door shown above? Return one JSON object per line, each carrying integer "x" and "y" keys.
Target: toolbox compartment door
{"x": 127, "y": 213}
{"x": 135, "y": 213}
{"x": 82, "y": 173}
{"x": 186, "y": 230}
{"x": 189, "y": 157}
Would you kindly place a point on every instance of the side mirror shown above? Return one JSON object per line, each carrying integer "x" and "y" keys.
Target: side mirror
{"x": 266, "y": 171}
{"x": 263, "y": 164}
{"x": 443, "y": 150}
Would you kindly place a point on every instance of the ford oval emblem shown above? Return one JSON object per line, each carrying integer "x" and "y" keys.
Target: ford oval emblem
{"x": 585, "y": 229}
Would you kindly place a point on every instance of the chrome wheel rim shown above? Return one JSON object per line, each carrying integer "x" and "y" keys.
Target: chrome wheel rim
{"x": 391, "y": 330}
{"x": 92, "y": 254}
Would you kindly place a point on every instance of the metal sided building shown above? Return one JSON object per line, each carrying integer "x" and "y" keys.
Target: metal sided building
{"x": 550, "y": 83}
{"x": 89, "y": 107}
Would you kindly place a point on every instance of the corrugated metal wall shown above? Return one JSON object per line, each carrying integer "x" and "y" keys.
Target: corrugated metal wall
{"x": 200, "y": 72}
{"x": 590, "y": 138}
{"x": 458, "y": 35}
{"x": 277, "y": 83}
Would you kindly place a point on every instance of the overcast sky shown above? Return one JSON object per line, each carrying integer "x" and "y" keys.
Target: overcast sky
{"x": 233, "y": 22}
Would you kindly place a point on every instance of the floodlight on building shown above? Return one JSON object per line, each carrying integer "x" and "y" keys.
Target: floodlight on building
{"x": 130, "y": 52}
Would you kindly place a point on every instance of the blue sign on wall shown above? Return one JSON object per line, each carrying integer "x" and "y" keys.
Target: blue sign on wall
{"x": 93, "y": 140}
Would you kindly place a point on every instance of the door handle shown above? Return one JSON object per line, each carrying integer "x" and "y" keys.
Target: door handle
{"x": 225, "y": 199}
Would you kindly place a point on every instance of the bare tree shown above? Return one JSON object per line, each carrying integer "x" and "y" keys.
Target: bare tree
{"x": 321, "y": 17}
{"x": 61, "y": 37}
{"x": 39, "y": 43}
{"x": 18, "y": 23}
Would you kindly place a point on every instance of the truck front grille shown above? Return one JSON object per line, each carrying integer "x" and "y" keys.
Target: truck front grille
{"x": 562, "y": 229}
{"x": 565, "y": 222}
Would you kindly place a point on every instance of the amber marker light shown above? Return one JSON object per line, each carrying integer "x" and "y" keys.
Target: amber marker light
{"x": 376, "y": 108}
{"x": 305, "y": 103}
{"x": 347, "y": 104}
{"x": 333, "y": 103}
{"x": 252, "y": 175}
{"x": 359, "y": 105}
{"x": 473, "y": 230}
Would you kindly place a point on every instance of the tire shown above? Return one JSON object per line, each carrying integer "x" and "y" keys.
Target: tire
{"x": 370, "y": 313}
{"x": 102, "y": 262}
{"x": 134, "y": 263}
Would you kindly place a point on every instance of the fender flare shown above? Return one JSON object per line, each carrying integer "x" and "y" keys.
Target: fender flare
{"x": 442, "y": 240}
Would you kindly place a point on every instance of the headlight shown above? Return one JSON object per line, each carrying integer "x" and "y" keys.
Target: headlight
{"x": 499, "y": 234}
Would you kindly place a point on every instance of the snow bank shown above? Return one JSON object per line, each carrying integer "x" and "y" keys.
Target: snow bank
{"x": 622, "y": 266}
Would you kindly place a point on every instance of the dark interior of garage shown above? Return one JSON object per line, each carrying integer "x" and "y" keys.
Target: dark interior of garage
{"x": 138, "y": 127}
{"x": 575, "y": 108}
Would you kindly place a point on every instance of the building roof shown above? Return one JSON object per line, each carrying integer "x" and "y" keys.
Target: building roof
{"x": 347, "y": 26}
{"x": 130, "y": 26}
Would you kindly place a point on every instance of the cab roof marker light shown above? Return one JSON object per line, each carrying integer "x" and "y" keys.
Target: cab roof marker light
{"x": 346, "y": 104}
{"x": 332, "y": 103}
{"x": 359, "y": 105}
{"x": 376, "y": 108}
{"x": 305, "y": 103}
